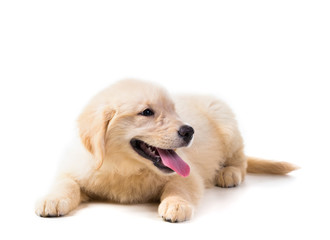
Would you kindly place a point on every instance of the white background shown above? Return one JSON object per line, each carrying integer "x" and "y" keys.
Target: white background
{"x": 270, "y": 60}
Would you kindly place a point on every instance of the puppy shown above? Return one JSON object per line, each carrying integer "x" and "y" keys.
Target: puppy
{"x": 137, "y": 144}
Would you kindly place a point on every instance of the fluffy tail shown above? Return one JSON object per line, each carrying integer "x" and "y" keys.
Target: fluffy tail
{"x": 256, "y": 165}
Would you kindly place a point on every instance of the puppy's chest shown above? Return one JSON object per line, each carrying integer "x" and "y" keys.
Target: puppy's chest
{"x": 142, "y": 187}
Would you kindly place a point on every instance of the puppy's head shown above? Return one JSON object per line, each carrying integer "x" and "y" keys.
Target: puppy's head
{"x": 133, "y": 125}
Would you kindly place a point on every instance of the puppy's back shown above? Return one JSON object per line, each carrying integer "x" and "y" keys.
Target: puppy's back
{"x": 216, "y": 132}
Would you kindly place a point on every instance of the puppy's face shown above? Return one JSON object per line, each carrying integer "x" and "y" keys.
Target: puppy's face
{"x": 141, "y": 129}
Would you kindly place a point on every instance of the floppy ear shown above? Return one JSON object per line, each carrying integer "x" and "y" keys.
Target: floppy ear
{"x": 93, "y": 126}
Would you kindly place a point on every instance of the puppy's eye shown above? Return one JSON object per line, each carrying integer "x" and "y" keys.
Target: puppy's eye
{"x": 147, "y": 112}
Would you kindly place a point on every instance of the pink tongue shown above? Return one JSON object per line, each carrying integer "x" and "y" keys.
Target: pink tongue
{"x": 173, "y": 161}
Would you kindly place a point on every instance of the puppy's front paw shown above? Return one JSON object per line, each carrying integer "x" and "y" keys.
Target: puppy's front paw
{"x": 53, "y": 207}
{"x": 175, "y": 209}
{"x": 230, "y": 177}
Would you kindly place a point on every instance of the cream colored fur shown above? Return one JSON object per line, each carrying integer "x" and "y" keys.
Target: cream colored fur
{"x": 103, "y": 165}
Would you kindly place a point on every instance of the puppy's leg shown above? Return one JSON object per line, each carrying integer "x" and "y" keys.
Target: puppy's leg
{"x": 179, "y": 197}
{"x": 64, "y": 197}
{"x": 233, "y": 172}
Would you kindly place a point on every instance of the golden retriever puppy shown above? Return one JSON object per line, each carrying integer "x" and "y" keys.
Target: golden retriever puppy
{"x": 137, "y": 144}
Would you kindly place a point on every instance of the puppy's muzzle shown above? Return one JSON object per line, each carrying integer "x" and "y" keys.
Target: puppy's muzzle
{"x": 186, "y": 133}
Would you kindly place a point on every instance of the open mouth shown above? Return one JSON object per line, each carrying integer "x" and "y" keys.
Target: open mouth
{"x": 165, "y": 160}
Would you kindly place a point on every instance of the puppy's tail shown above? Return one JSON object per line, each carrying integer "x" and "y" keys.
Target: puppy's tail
{"x": 256, "y": 165}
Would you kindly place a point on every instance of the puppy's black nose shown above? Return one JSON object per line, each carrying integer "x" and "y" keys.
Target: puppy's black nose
{"x": 186, "y": 132}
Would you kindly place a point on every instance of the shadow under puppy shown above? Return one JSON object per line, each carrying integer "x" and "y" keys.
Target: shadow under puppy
{"x": 137, "y": 144}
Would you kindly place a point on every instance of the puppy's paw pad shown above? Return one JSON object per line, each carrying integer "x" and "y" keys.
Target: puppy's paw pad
{"x": 175, "y": 209}
{"x": 229, "y": 177}
{"x": 52, "y": 207}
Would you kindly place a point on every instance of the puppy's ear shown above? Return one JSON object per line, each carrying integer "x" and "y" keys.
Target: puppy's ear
{"x": 93, "y": 125}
